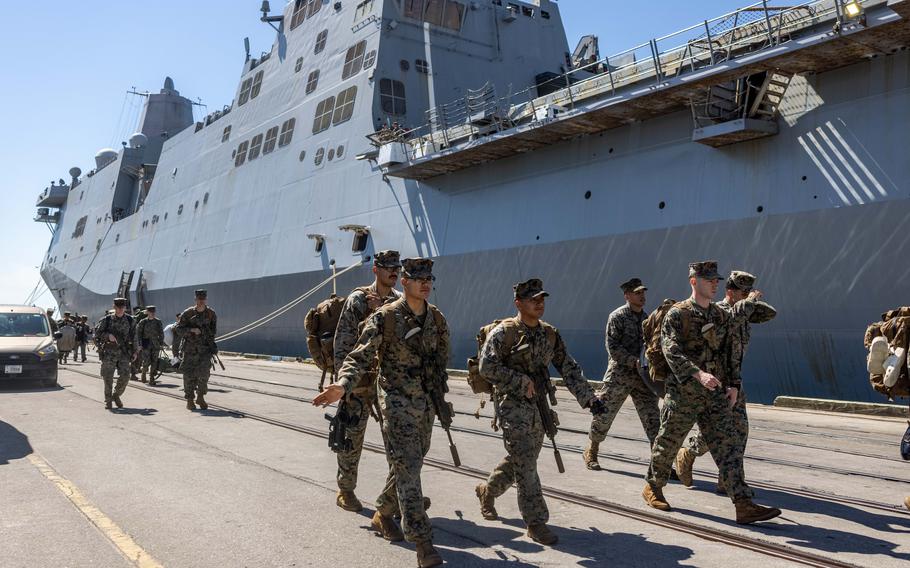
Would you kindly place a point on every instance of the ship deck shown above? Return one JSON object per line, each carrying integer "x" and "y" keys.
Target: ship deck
{"x": 250, "y": 482}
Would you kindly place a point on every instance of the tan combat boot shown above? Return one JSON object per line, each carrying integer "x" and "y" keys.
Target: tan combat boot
{"x": 107, "y": 404}
{"x": 348, "y": 501}
{"x": 117, "y": 401}
{"x": 654, "y": 496}
{"x": 143, "y": 379}
{"x": 487, "y": 502}
{"x": 427, "y": 555}
{"x": 386, "y": 527}
{"x": 590, "y": 455}
{"x": 541, "y": 533}
{"x": 748, "y": 512}
{"x": 684, "y": 462}
{"x": 200, "y": 400}
{"x": 190, "y": 405}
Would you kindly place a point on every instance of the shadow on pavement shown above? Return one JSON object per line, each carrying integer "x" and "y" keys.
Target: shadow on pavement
{"x": 140, "y": 411}
{"x": 14, "y": 444}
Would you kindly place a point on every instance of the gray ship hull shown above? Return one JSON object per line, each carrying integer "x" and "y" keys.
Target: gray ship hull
{"x": 815, "y": 266}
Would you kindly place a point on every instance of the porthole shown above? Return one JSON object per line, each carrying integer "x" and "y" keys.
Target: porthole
{"x": 205, "y": 198}
{"x": 610, "y": 151}
{"x": 80, "y": 248}
{"x": 331, "y": 155}
{"x": 587, "y": 195}
{"x": 180, "y": 209}
{"x": 814, "y": 197}
{"x": 759, "y": 209}
{"x": 165, "y": 215}
{"x": 117, "y": 238}
{"x": 98, "y": 245}
{"x": 65, "y": 255}
{"x": 538, "y": 238}
{"x": 196, "y": 206}
{"x": 302, "y": 155}
{"x": 320, "y": 154}
{"x": 405, "y": 65}
{"x": 661, "y": 205}
{"x": 804, "y": 178}
{"x": 340, "y": 151}
{"x": 81, "y": 194}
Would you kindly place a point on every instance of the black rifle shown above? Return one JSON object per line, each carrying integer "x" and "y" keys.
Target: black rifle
{"x": 338, "y": 425}
{"x": 544, "y": 398}
{"x": 122, "y": 345}
{"x": 436, "y": 386}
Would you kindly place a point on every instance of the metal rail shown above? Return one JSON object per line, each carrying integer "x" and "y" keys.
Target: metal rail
{"x": 658, "y": 519}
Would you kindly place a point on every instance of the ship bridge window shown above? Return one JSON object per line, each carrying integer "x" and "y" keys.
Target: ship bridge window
{"x": 445, "y": 13}
{"x": 240, "y": 156}
{"x": 363, "y": 10}
{"x": 323, "y": 115}
{"x": 245, "y": 91}
{"x": 320, "y": 41}
{"x": 312, "y": 81}
{"x": 287, "y": 132}
{"x": 80, "y": 227}
{"x": 369, "y": 59}
{"x": 344, "y": 105}
{"x": 255, "y": 147}
{"x": 257, "y": 85}
{"x": 226, "y": 135}
{"x": 353, "y": 60}
{"x": 422, "y": 66}
{"x": 391, "y": 97}
{"x": 304, "y": 10}
{"x": 271, "y": 136}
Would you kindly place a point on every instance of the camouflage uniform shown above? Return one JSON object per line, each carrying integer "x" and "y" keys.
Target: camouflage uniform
{"x": 197, "y": 349}
{"x": 624, "y": 344}
{"x": 740, "y": 335}
{"x": 356, "y": 310}
{"x": 407, "y": 409}
{"x": 700, "y": 343}
{"x": 522, "y": 430}
{"x": 115, "y": 357}
{"x": 150, "y": 340}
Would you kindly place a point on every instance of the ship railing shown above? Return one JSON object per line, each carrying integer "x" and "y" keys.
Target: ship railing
{"x": 711, "y": 42}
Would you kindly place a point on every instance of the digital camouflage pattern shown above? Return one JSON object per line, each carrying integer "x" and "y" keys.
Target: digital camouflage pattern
{"x": 624, "y": 344}
{"x": 704, "y": 346}
{"x": 740, "y": 335}
{"x": 115, "y": 356}
{"x": 196, "y": 350}
{"x": 406, "y": 408}
{"x": 356, "y": 310}
{"x": 149, "y": 340}
{"x": 522, "y": 432}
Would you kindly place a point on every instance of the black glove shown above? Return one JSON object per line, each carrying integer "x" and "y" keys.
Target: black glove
{"x": 597, "y": 407}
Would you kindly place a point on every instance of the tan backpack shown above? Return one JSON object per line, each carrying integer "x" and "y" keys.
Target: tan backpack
{"x": 320, "y": 323}
{"x": 480, "y": 385}
{"x": 658, "y": 368}
{"x": 891, "y": 328}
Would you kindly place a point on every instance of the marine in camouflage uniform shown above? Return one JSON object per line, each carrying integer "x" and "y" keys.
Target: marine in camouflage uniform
{"x": 738, "y": 286}
{"x": 509, "y": 369}
{"x": 412, "y": 347}
{"x": 696, "y": 343}
{"x": 197, "y": 326}
{"x": 623, "y": 377}
{"x": 358, "y": 306}
{"x": 149, "y": 340}
{"x": 115, "y": 354}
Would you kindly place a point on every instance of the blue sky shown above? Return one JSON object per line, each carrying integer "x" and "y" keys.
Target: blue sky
{"x": 69, "y": 64}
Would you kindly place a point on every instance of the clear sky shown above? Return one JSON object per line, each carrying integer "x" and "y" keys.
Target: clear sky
{"x": 69, "y": 64}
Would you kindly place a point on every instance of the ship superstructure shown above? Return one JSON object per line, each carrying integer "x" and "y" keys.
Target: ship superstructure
{"x": 773, "y": 139}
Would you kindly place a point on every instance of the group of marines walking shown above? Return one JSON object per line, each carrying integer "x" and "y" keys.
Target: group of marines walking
{"x": 387, "y": 343}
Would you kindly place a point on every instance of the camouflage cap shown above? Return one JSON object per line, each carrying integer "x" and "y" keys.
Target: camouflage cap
{"x": 84, "y": 318}
{"x": 120, "y": 302}
{"x": 529, "y": 289}
{"x": 67, "y": 313}
{"x": 150, "y": 308}
{"x": 418, "y": 269}
{"x": 741, "y": 281}
{"x": 202, "y": 293}
{"x": 387, "y": 259}
{"x": 633, "y": 285}
{"x": 706, "y": 270}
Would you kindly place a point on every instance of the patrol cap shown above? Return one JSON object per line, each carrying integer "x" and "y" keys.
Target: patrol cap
{"x": 529, "y": 289}
{"x": 120, "y": 302}
{"x": 418, "y": 269}
{"x": 633, "y": 285}
{"x": 84, "y": 318}
{"x": 50, "y": 310}
{"x": 387, "y": 259}
{"x": 740, "y": 280}
{"x": 150, "y": 308}
{"x": 202, "y": 293}
{"x": 67, "y": 313}
{"x": 706, "y": 270}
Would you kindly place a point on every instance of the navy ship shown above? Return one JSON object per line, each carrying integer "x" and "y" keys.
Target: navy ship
{"x": 773, "y": 139}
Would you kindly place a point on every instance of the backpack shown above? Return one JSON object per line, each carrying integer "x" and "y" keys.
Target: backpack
{"x": 658, "y": 368}
{"x": 479, "y": 384}
{"x": 890, "y": 329}
{"x": 320, "y": 323}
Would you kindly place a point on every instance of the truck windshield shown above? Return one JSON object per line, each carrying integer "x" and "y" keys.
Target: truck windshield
{"x": 20, "y": 325}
